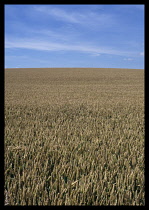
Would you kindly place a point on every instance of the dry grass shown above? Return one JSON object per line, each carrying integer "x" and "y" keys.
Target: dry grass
{"x": 74, "y": 136}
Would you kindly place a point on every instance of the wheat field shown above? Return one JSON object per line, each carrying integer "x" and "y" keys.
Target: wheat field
{"x": 74, "y": 136}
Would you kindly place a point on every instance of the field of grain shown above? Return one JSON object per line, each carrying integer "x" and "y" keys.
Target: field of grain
{"x": 74, "y": 136}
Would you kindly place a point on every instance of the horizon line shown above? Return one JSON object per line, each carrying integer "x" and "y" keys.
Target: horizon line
{"x": 70, "y": 68}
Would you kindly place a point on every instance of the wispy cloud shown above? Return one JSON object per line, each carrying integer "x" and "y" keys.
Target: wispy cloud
{"x": 34, "y": 44}
{"x": 86, "y": 18}
{"x": 96, "y": 54}
{"x": 94, "y": 31}
{"x": 128, "y": 59}
{"x": 142, "y": 53}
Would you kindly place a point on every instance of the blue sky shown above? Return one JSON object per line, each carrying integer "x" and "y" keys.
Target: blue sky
{"x": 104, "y": 36}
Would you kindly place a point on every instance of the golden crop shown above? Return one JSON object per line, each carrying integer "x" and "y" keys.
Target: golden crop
{"x": 74, "y": 136}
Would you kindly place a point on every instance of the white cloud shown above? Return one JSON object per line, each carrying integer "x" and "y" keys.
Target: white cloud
{"x": 56, "y": 12}
{"x": 86, "y": 18}
{"x": 142, "y": 53}
{"x": 128, "y": 59}
{"x": 36, "y": 44}
{"x": 96, "y": 54}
